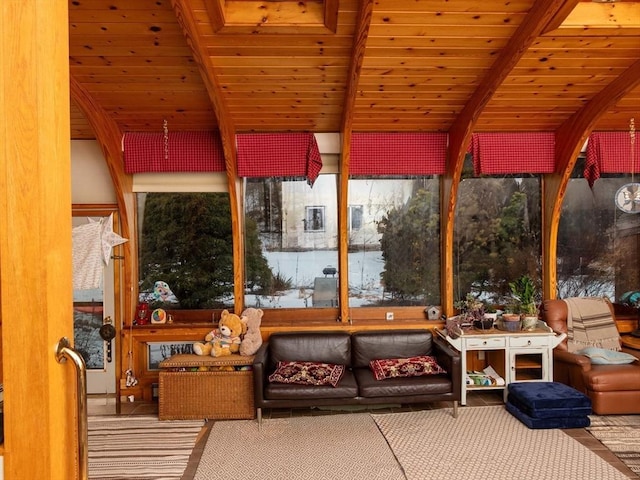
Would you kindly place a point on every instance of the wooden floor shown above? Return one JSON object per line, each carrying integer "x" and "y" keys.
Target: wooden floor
{"x": 105, "y": 405}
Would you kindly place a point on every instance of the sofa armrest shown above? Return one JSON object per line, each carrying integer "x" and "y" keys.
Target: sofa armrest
{"x": 449, "y": 359}
{"x": 260, "y": 372}
{"x": 572, "y": 359}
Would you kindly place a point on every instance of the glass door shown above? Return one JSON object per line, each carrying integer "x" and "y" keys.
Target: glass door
{"x": 92, "y": 308}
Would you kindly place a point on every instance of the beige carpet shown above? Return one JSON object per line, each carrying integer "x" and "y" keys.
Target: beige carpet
{"x": 621, "y": 435}
{"x": 140, "y": 447}
{"x": 344, "y": 446}
{"x": 486, "y": 443}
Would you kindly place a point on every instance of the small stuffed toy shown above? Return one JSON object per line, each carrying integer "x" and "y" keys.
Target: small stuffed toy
{"x": 253, "y": 338}
{"x": 228, "y": 335}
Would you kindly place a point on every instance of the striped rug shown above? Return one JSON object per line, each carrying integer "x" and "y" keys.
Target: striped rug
{"x": 621, "y": 435}
{"x": 140, "y": 447}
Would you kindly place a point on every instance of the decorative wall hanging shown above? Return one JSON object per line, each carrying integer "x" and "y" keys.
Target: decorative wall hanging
{"x": 627, "y": 197}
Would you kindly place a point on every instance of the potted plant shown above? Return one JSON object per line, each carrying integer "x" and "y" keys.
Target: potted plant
{"x": 473, "y": 311}
{"x": 524, "y": 294}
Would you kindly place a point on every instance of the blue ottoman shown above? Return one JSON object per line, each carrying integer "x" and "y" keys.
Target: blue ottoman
{"x": 548, "y": 405}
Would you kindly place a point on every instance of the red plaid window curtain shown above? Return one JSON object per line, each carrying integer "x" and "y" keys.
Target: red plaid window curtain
{"x": 183, "y": 152}
{"x": 398, "y": 154}
{"x": 279, "y": 155}
{"x": 509, "y": 153}
{"x": 610, "y": 152}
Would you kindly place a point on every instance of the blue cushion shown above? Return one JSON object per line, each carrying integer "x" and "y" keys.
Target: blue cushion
{"x": 557, "y": 411}
{"x": 546, "y": 395}
{"x": 603, "y": 356}
{"x": 556, "y": 422}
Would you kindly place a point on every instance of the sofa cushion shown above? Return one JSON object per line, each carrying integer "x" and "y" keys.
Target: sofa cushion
{"x": 307, "y": 373}
{"x": 373, "y": 345}
{"x": 580, "y": 421}
{"x": 369, "y": 387}
{"x": 324, "y": 347}
{"x": 405, "y": 367}
{"x": 346, "y": 389}
{"x": 603, "y": 356}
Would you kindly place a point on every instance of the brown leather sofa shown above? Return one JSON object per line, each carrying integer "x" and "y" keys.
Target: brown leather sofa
{"x": 358, "y": 385}
{"x": 613, "y": 389}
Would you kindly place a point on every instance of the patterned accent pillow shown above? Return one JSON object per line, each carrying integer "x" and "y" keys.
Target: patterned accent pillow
{"x": 307, "y": 373}
{"x": 405, "y": 367}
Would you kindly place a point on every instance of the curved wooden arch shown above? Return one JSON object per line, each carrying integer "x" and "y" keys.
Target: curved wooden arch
{"x": 569, "y": 139}
{"x": 109, "y": 137}
{"x": 462, "y": 128}
{"x": 226, "y": 127}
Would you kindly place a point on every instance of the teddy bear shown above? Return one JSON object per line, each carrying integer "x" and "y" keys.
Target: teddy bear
{"x": 252, "y": 338}
{"x": 228, "y": 336}
{"x": 224, "y": 340}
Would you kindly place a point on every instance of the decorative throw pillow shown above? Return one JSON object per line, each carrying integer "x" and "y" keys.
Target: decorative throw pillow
{"x": 307, "y": 373}
{"x": 405, "y": 367}
{"x": 602, "y": 356}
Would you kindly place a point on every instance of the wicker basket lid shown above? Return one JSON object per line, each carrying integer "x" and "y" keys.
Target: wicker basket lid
{"x": 192, "y": 360}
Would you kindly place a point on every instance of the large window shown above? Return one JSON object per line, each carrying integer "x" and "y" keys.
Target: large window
{"x": 497, "y": 236}
{"x": 291, "y": 243}
{"x": 394, "y": 241}
{"x": 185, "y": 250}
{"x": 598, "y": 244}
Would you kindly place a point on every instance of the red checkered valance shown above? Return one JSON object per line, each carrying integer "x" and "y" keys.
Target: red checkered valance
{"x": 610, "y": 152}
{"x": 509, "y": 153}
{"x": 278, "y": 155}
{"x": 184, "y": 152}
{"x": 398, "y": 154}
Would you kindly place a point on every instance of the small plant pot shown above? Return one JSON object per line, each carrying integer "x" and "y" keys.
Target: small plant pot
{"x": 529, "y": 322}
{"x": 485, "y": 324}
{"x": 510, "y": 322}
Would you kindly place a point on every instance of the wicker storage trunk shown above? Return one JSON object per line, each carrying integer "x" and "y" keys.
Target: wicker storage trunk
{"x": 188, "y": 391}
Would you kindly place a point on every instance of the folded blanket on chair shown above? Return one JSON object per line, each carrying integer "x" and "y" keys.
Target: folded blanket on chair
{"x": 590, "y": 324}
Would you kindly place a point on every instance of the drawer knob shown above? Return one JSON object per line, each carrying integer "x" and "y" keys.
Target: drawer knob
{"x": 484, "y": 343}
{"x": 528, "y": 342}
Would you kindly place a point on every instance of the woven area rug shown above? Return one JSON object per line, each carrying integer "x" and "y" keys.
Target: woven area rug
{"x": 486, "y": 443}
{"x": 621, "y": 435}
{"x": 140, "y": 447}
{"x": 324, "y": 447}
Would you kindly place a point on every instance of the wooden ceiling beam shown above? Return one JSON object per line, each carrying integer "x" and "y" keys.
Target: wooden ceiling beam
{"x": 460, "y": 132}
{"x": 346, "y": 129}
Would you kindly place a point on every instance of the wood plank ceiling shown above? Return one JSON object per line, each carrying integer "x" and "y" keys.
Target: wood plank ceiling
{"x": 331, "y": 65}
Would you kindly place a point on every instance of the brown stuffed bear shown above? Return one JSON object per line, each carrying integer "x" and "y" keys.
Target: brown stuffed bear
{"x": 253, "y": 338}
{"x": 228, "y": 338}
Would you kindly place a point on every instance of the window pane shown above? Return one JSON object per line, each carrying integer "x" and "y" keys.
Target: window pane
{"x": 394, "y": 241}
{"x": 186, "y": 250}
{"x": 497, "y": 236}
{"x": 291, "y": 243}
{"x": 597, "y": 242}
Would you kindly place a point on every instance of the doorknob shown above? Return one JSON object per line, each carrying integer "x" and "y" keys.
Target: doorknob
{"x": 108, "y": 333}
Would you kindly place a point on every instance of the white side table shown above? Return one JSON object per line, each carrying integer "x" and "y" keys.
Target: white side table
{"x": 528, "y": 356}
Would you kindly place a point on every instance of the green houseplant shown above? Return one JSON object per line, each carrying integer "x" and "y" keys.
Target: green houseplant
{"x": 524, "y": 292}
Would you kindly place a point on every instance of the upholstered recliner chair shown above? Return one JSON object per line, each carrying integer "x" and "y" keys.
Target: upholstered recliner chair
{"x": 613, "y": 389}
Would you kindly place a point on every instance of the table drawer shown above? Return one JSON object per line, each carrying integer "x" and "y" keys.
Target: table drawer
{"x": 528, "y": 341}
{"x": 491, "y": 342}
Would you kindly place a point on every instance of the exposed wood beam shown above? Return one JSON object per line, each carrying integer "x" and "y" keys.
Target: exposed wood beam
{"x": 189, "y": 26}
{"x": 109, "y": 137}
{"x": 462, "y": 128}
{"x": 357, "y": 57}
{"x": 570, "y": 137}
